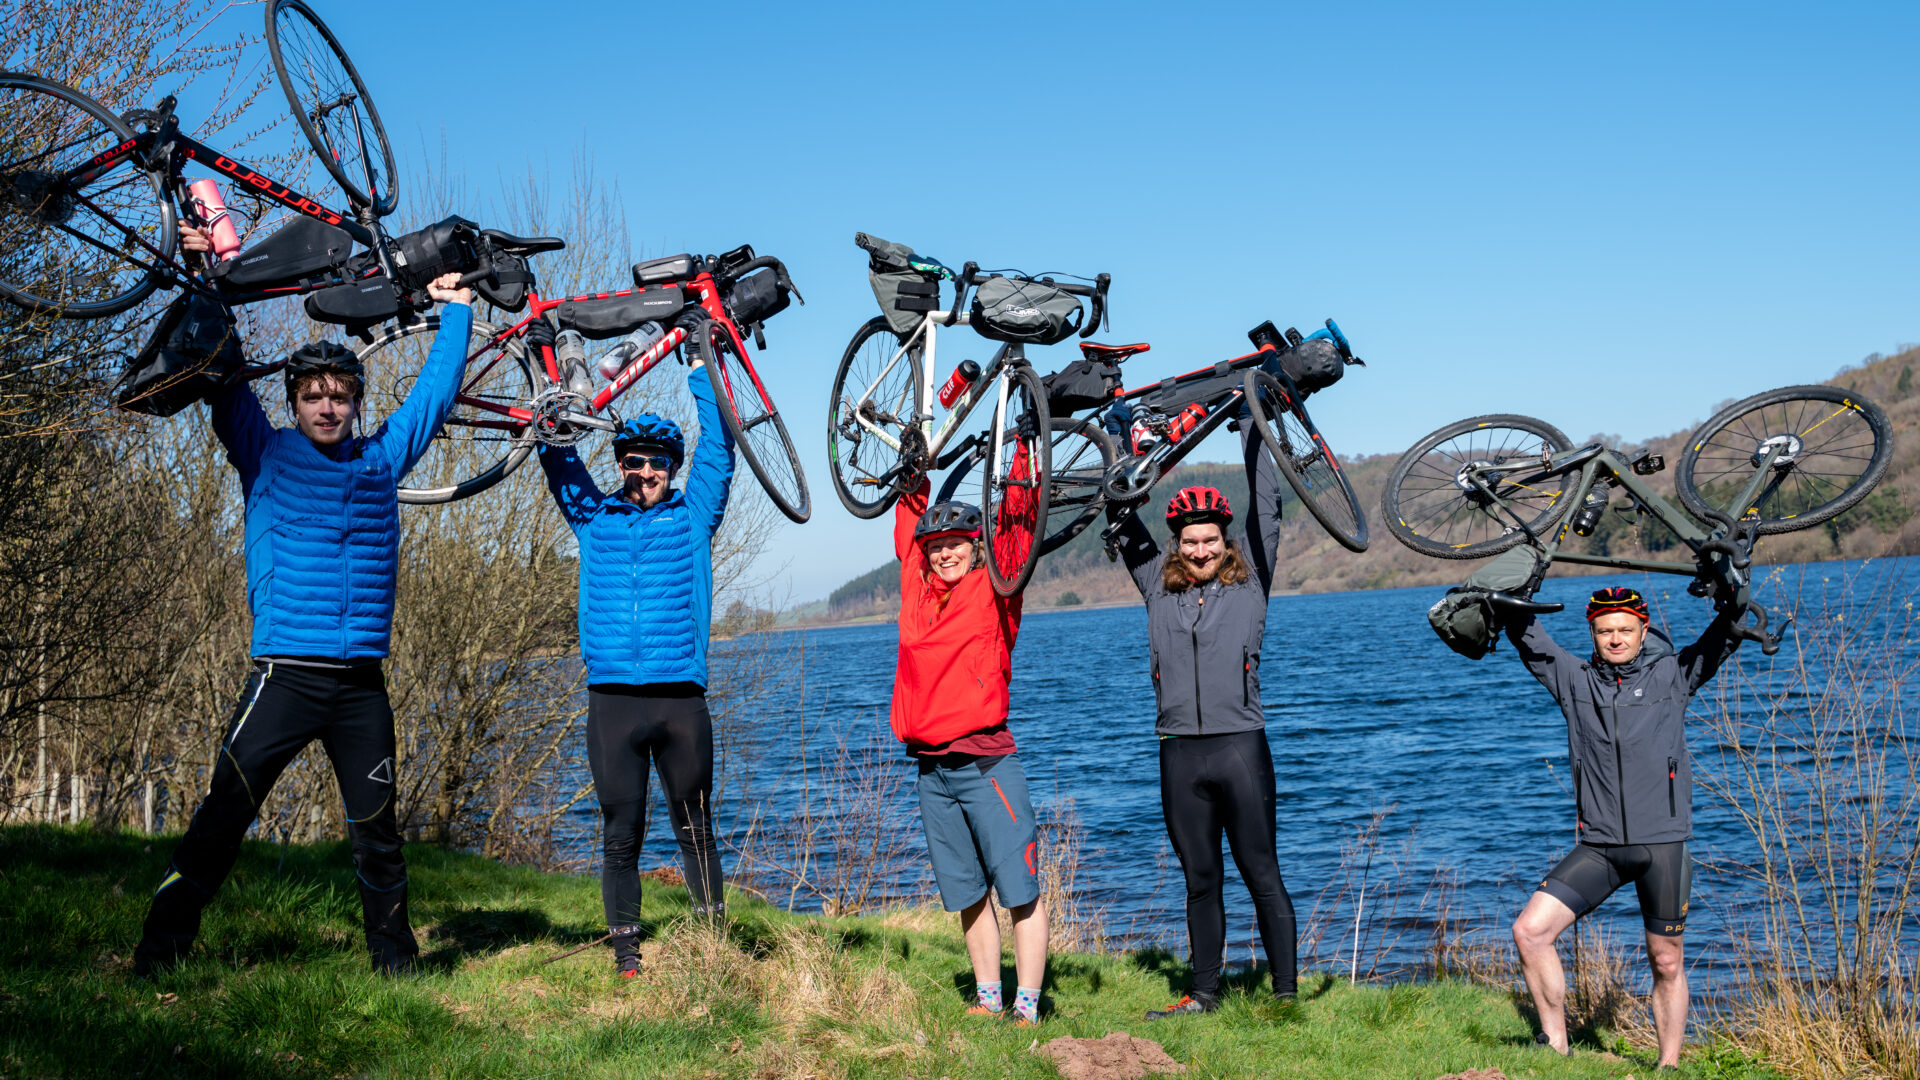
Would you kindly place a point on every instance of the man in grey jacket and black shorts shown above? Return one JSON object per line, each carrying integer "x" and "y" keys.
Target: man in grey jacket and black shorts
{"x": 1626, "y": 709}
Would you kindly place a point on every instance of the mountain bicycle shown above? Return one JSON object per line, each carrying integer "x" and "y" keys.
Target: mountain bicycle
{"x": 1776, "y": 462}
{"x": 515, "y": 398}
{"x": 1119, "y": 450}
{"x": 882, "y": 439}
{"x": 91, "y": 201}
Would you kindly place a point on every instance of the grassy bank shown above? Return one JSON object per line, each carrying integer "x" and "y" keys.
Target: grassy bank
{"x": 279, "y": 988}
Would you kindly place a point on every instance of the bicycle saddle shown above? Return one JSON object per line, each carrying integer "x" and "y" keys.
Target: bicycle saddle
{"x": 522, "y": 245}
{"x": 1093, "y": 350}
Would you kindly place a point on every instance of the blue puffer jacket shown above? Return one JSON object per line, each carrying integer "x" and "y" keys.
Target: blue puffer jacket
{"x": 646, "y": 576}
{"x": 323, "y": 533}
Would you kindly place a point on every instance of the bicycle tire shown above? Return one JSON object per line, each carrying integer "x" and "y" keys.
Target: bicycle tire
{"x": 749, "y": 413}
{"x": 1076, "y": 477}
{"x": 868, "y": 474}
{"x": 1800, "y": 497}
{"x": 300, "y": 45}
{"x": 1421, "y": 516}
{"x": 42, "y": 119}
{"x": 464, "y": 458}
{"x": 1303, "y": 457}
{"x": 1026, "y": 412}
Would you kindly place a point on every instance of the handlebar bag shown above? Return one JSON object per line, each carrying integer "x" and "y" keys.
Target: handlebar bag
{"x": 303, "y": 248}
{"x": 1084, "y": 384}
{"x": 1314, "y": 364}
{"x": 757, "y": 297}
{"x": 194, "y": 352}
{"x": 905, "y": 296}
{"x": 512, "y": 279}
{"x": 1024, "y": 311}
{"x": 357, "y": 303}
{"x": 601, "y": 317}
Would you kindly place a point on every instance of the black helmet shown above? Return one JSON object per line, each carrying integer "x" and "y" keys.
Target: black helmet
{"x": 330, "y": 357}
{"x": 948, "y": 517}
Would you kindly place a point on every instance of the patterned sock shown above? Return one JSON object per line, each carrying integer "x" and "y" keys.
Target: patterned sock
{"x": 1026, "y": 1002}
{"x": 988, "y": 994}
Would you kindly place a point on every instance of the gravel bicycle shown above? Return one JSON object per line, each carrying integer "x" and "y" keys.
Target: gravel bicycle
{"x": 1118, "y": 450}
{"x": 1776, "y": 462}
{"x": 91, "y": 201}
{"x": 519, "y": 393}
{"x": 882, "y": 438}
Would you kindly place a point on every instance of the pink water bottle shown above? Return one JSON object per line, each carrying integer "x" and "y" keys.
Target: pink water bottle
{"x": 212, "y": 208}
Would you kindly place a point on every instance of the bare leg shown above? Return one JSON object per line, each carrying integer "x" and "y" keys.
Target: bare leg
{"x": 982, "y": 931}
{"x": 1665, "y": 956}
{"x": 1029, "y": 942}
{"x": 1541, "y": 922}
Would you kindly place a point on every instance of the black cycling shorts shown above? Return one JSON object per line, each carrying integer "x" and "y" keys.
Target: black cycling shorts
{"x": 1661, "y": 873}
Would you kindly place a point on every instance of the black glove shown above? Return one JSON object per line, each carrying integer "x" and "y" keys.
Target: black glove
{"x": 540, "y": 333}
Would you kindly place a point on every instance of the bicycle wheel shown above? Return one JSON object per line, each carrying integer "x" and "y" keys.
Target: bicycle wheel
{"x": 1430, "y": 508}
{"x": 1834, "y": 447}
{"x": 1305, "y": 459}
{"x": 81, "y": 251}
{"x": 1015, "y": 491}
{"x": 475, "y": 448}
{"x": 749, "y": 412}
{"x": 871, "y": 388}
{"x": 1081, "y": 452}
{"x": 332, "y": 105}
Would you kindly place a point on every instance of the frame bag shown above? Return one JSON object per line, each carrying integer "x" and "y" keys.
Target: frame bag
{"x": 1024, "y": 312}
{"x": 302, "y": 249}
{"x": 193, "y": 353}
{"x": 603, "y": 317}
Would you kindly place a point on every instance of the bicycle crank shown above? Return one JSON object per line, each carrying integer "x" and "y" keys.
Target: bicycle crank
{"x": 562, "y": 417}
{"x": 1130, "y": 478}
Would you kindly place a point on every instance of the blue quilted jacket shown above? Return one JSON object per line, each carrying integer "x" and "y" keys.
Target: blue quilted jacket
{"x": 323, "y": 532}
{"x": 646, "y": 575}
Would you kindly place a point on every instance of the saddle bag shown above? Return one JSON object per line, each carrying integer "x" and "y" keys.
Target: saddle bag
{"x": 1084, "y": 384}
{"x": 1465, "y": 620}
{"x": 193, "y": 353}
{"x": 364, "y": 302}
{"x": 905, "y": 297}
{"x": 1314, "y": 364}
{"x": 601, "y": 317}
{"x": 757, "y": 297}
{"x": 301, "y": 249}
{"x": 511, "y": 280}
{"x": 1024, "y": 311}
{"x": 450, "y": 245}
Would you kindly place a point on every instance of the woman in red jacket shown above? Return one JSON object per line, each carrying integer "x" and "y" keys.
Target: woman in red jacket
{"x": 950, "y": 709}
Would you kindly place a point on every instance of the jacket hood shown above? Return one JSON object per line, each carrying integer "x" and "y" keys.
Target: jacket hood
{"x": 1653, "y": 648}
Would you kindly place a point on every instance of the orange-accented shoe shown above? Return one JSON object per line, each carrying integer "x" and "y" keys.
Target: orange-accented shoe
{"x": 1186, "y": 1006}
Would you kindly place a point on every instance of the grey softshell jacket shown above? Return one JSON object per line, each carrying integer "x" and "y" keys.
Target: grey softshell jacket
{"x": 1205, "y": 641}
{"x": 1626, "y": 728}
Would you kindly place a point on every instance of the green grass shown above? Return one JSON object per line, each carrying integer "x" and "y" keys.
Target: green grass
{"x": 278, "y": 987}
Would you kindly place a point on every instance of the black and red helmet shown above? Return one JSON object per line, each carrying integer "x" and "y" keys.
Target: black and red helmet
{"x": 1608, "y": 601}
{"x": 1198, "y": 505}
{"x": 946, "y": 519}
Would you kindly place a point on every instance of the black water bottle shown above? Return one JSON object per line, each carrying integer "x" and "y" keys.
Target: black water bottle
{"x": 1587, "y": 518}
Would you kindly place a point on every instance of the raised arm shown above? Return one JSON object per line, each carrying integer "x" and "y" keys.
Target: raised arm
{"x": 710, "y": 472}
{"x": 1554, "y": 666}
{"x": 242, "y": 427}
{"x": 906, "y": 515}
{"x": 1702, "y": 659}
{"x": 1136, "y": 546}
{"x": 574, "y": 491}
{"x": 1263, "y": 513}
{"x": 411, "y": 428}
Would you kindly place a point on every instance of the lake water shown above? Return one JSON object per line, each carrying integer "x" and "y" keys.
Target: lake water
{"x": 1367, "y": 713}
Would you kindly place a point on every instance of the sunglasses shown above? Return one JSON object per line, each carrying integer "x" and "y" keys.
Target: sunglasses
{"x": 634, "y": 462}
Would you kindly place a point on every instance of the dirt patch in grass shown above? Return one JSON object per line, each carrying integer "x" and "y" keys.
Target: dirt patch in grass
{"x": 1475, "y": 1074}
{"x": 1119, "y": 1056}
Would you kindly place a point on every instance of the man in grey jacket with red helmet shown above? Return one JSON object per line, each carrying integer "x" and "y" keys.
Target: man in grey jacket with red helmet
{"x": 1626, "y": 710}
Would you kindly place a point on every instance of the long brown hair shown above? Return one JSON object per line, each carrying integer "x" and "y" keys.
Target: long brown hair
{"x": 1177, "y": 575}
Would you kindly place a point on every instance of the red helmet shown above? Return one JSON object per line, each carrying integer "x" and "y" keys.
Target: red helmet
{"x": 1196, "y": 505}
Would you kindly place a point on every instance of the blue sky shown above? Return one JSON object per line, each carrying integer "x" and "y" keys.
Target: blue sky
{"x": 1612, "y": 217}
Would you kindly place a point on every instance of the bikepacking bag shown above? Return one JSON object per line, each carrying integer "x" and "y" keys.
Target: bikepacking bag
{"x": 1465, "y": 620}
{"x": 301, "y": 249}
{"x": 601, "y": 317}
{"x": 449, "y": 245}
{"x": 507, "y": 290}
{"x": 193, "y": 353}
{"x": 1027, "y": 312}
{"x": 1084, "y": 384}
{"x": 905, "y": 298}
{"x": 757, "y": 298}
{"x": 359, "y": 303}
{"x": 1314, "y": 364}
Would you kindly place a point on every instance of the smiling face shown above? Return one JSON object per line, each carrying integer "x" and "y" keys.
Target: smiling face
{"x": 324, "y": 409}
{"x": 950, "y": 556}
{"x": 1617, "y": 636}
{"x": 1203, "y": 546}
{"x": 640, "y": 472}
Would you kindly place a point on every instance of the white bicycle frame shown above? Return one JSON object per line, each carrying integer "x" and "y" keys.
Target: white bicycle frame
{"x": 994, "y": 373}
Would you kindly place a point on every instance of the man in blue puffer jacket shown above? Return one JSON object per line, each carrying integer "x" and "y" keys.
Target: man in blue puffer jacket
{"x": 322, "y": 543}
{"x": 646, "y": 599}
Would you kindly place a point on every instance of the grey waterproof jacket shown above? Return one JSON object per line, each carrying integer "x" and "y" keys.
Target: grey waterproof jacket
{"x": 1205, "y": 641}
{"x": 1626, "y": 728}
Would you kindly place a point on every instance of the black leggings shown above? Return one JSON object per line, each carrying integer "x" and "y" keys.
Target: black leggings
{"x": 1214, "y": 784}
{"x": 627, "y": 725}
{"x": 281, "y": 710}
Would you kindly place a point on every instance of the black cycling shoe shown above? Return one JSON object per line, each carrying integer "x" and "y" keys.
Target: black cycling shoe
{"x": 151, "y": 959}
{"x": 626, "y": 951}
{"x": 1186, "y": 1006}
{"x": 1541, "y": 1042}
{"x": 1285, "y": 997}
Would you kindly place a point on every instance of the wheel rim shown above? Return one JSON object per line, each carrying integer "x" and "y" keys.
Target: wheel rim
{"x": 1314, "y": 465}
{"x": 63, "y": 252}
{"x": 1827, "y": 446}
{"x": 332, "y": 106}
{"x": 865, "y": 467}
{"x": 1010, "y": 558}
{"x": 1431, "y": 504}
{"x": 762, "y": 435}
{"x": 472, "y": 441}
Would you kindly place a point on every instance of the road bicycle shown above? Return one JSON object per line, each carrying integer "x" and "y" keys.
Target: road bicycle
{"x": 91, "y": 201}
{"x": 1116, "y": 452}
{"x": 515, "y": 398}
{"x": 882, "y": 435}
{"x": 1776, "y": 462}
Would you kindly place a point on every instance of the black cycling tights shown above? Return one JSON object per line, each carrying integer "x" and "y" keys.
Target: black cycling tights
{"x": 627, "y": 725}
{"x": 1214, "y": 784}
{"x": 281, "y": 710}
